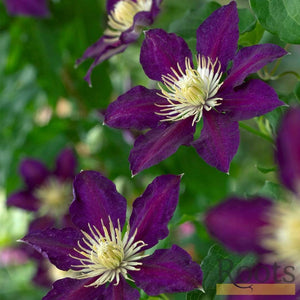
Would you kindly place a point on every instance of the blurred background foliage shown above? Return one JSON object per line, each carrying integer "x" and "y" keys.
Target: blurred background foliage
{"x": 46, "y": 105}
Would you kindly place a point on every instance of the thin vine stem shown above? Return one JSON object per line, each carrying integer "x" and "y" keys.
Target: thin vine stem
{"x": 256, "y": 132}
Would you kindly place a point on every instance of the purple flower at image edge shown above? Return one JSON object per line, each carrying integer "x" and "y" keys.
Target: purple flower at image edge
{"x": 35, "y": 8}
{"x": 189, "y": 93}
{"x": 98, "y": 251}
{"x": 266, "y": 227}
{"x": 126, "y": 19}
{"x": 48, "y": 193}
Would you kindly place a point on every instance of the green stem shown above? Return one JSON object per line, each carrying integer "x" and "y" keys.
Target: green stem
{"x": 164, "y": 296}
{"x": 256, "y": 132}
{"x": 286, "y": 73}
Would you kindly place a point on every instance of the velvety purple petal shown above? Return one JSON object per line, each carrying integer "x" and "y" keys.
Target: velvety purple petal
{"x": 162, "y": 51}
{"x": 236, "y": 223}
{"x": 159, "y": 143}
{"x": 96, "y": 199}
{"x": 66, "y": 164}
{"x": 110, "y": 4}
{"x": 57, "y": 244}
{"x": 253, "y": 98}
{"x": 41, "y": 223}
{"x": 100, "y": 51}
{"x": 288, "y": 150}
{"x": 25, "y": 200}
{"x": 122, "y": 291}
{"x": 135, "y": 109}
{"x": 152, "y": 211}
{"x": 71, "y": 289}
{"x": 218, "y": 35}
{"x": 263, "y": 274}
{"x": 168, "y": 271}
{"x": 41, "y": 276}
{"x": 34, "y": 172}
{"x": 219, "y": 140}
{"x": 249, "y": 60}
{"x": 36, "y": 8}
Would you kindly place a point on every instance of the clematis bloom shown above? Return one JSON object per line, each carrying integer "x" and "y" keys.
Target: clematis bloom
{"x": 190, "y": 92}
{"x": 126, "y": 19}
{"x": 35, "y": 8}
{"x": 263, "y": 226}
{"x": 48, "y": 193}
{"x": 100, "y": 251}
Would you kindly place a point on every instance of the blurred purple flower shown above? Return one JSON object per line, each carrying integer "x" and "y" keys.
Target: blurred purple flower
{"x": 99, "y": 252}
{"x": 126, "y": 19}
{"x": 35, "y": 8}
{"x": 48, "y": 193}
{"x": 268, "y": 228}
{"x": 189, "y": 94}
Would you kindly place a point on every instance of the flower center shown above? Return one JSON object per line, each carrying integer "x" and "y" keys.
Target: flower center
{"x": 55, "y": 195}
{"x": 189, "y": 91}
{"x": 281, "y": 236}
{"x": 121, "y": 17}
{"x": 107, "y": 256}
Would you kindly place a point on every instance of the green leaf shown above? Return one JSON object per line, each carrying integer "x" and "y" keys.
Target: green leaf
{"x": 215, "y": 267}
{"x": 281, "y": 17}
{"x": 187, "y": 26}
{"x": 265, "y": 170}
{"x": 297, "y": 91}
{"x": 252, "y": 37}
{"x": 272, "y": 190}
{"x": 195, "y": 295}
{"x": 246, "y": 20}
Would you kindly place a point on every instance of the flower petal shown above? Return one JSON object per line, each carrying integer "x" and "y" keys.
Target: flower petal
{"x": 162, "y": 51}
{"x": 218, "y": 35}
{"x": 219, "y": 140}
{"x": 41, "y": 223}
{"x": 249, "y": 60}
{"x": 135, "y": 109}
{"x": 23, "y": 199}
{"x": 33, "y": 172}
{"x": 57, "y": 244}
{"x": 71, "y": 289}
{"x": 159, "y": 143}
{"x": 153, "y": 210}
{"x": 66, "y": 164}
{"x": 236, "y": 223}
{"x": 168, "y": 271}
{"x": 96, "y": 199}
{"x": 288, "y": 150}
{"x": 36, "y": 8}
{"x": 110, "y": 5}
{"x": 253, "y": 98}
{"x": 121, "y": 291}
{"x": 100, "y": 51}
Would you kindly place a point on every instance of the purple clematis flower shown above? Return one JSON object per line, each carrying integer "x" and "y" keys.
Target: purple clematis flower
{"x": 35, "y": 8}
{"x": 126, "y": 19}
{"x": 260, "y": 225}
{"x": 188, "y": 93}
{"x": 48, "y": 193}
{"x": 100, "y": 251}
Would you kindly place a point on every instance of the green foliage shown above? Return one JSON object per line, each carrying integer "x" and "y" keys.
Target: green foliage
{"x": 281, "y": 17}
{"x": 220, "y": 266}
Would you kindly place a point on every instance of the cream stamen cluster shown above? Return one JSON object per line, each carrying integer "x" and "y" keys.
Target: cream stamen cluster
{"x": 121, "y": 18}
{"x": 281, "y": 236}
{"x": 55, "y": 195}
{"x": 109, "y": 256}
{"x": 189, "y": 91}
